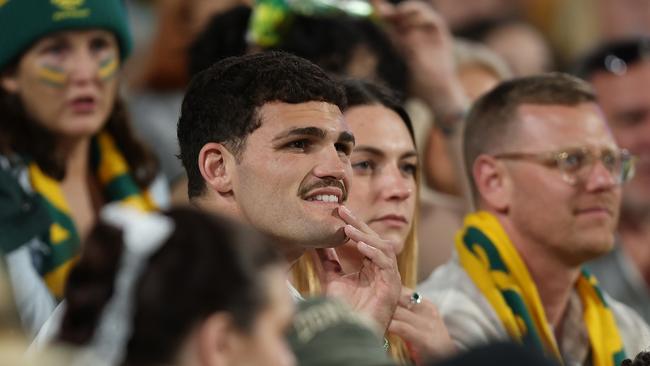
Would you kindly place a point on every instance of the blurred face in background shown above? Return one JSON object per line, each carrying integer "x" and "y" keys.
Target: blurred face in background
{"x": 523, "y": 48}
{"x": 68, "y": 81}
{"x": 625, "y": 100}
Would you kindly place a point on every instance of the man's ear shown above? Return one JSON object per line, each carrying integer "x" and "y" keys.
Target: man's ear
{"x": 214, "y": 344}
{"x": 216, "y": 164}
{"x": 492, "y": 183}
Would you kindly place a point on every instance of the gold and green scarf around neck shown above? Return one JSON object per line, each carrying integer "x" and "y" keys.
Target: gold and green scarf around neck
{"x": 494, "y": 265}
{"x": 63, "y": 242}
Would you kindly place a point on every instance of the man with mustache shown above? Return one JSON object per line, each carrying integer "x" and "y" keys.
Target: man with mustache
{"x": 546, "y": 177}
{"x": 620, "y": 73}
{"x": 262, "y": 139}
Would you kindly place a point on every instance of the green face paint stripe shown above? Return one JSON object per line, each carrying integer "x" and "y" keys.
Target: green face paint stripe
{"x": 52, "y": 75}
{"x": 107, "y": 68}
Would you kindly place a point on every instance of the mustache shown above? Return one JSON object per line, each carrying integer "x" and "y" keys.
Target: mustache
{"x": 323, "y": 183}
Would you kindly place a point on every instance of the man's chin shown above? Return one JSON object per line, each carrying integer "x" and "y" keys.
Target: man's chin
{"x": 331, "y": 238}
{"x": 596, "y": 248}
{"x": 324, "y": 231}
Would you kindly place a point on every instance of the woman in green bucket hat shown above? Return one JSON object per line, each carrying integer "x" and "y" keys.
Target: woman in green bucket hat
{"x": 66, "y": 148}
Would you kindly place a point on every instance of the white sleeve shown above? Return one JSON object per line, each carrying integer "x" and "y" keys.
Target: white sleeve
{"x": 634, "y": 331}
{"x": 49, "y": 330}
{"x": 159, "y": 191}
{"x": 33, "y": 299}
{"x": 468, "y": 315}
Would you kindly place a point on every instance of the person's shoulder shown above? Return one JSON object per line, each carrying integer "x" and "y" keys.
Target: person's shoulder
{"x": 14, "y": 173}
{"x": 468, "y": 315}
{"x": 634, "y": 331}
{"x": 448, "y": 280}
{"x": 22, "y": 213}
{"x": 328, "y": 332}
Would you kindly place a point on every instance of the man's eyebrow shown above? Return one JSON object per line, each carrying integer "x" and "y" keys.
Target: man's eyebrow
{"x": 302, "y": 131}
{"x": 346, "y": 136}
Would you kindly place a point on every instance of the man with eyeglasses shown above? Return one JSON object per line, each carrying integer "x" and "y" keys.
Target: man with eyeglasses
{"x": 620, "y": 73}
{"x": 546, "y": 179}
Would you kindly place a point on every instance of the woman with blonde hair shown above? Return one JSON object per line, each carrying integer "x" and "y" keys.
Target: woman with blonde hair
{"x": 384, "y": 195}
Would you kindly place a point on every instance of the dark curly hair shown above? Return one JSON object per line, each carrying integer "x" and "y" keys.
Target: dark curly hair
{"x": 221, "y": 102}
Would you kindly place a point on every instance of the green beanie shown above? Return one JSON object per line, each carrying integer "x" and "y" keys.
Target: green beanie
{"x": 23, "y": 22}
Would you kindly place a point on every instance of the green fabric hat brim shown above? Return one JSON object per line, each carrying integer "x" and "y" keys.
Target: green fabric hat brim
{"x": 23, "y": 22}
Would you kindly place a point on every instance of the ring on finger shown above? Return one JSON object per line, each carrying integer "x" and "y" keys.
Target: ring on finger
{"x": 415, "y": 299}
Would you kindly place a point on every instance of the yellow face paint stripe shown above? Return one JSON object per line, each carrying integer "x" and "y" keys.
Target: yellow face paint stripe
{"x": 52, "y": 75}
{"x": 108, "y": 68}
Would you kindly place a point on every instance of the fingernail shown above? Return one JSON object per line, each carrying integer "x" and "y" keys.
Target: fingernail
{"x": 345, "y": 209}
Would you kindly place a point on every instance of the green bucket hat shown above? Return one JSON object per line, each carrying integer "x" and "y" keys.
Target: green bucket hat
{"x": 23, "y": 22}
{"x": 326, "y": 332}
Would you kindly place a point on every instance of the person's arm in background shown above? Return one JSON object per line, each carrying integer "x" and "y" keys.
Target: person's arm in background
{"x": 426, "y": 44}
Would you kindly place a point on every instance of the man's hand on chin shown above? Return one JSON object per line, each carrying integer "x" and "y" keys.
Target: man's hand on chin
{"x": 375, "y": 289}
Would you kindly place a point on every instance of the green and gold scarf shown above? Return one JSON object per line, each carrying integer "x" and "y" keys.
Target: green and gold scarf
{"x": 494, "y": 265}
{"x": 112, "y": 172}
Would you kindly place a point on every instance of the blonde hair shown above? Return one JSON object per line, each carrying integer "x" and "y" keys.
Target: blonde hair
{"x": 306, "y": 280}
